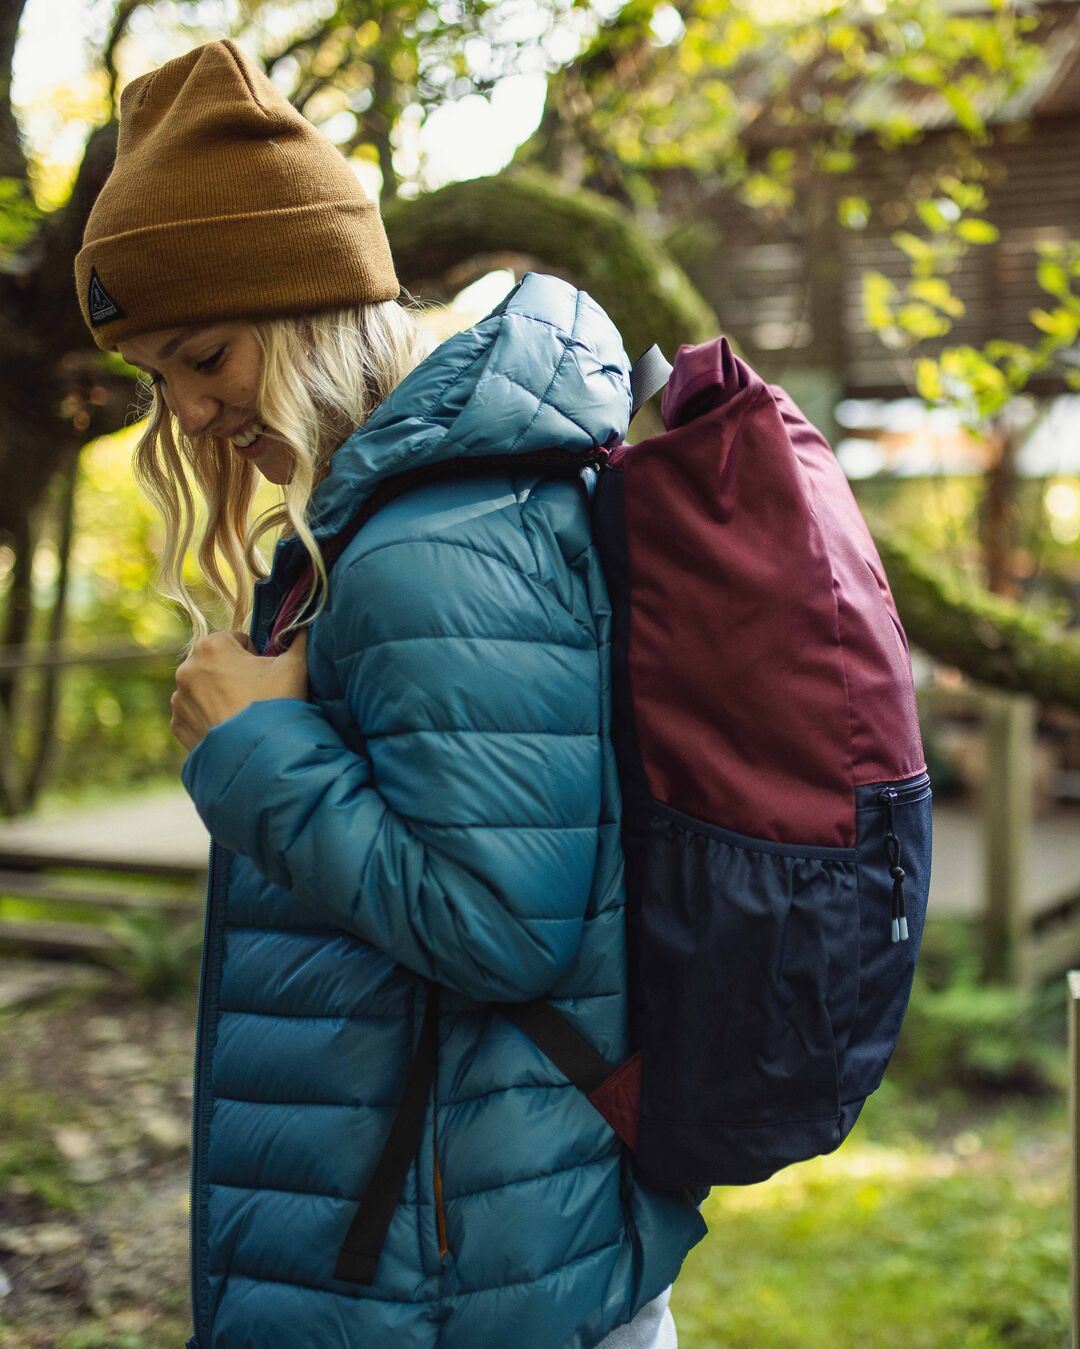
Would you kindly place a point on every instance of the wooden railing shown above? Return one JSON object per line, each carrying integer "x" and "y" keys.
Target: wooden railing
{"x": 1020, "y": 946}
{"x": 59, "y": 655}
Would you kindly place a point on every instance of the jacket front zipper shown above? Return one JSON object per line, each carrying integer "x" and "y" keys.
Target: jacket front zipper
{"x": 261, "y": 619}
{"x": 198, "y": 1087}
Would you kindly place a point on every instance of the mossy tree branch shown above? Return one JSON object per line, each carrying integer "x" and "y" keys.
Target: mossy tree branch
{"x": 993, "y": 640}
{"x": 573, "y": 233}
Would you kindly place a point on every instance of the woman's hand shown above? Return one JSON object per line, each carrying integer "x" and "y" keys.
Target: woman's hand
{"x": 224, "y": 674}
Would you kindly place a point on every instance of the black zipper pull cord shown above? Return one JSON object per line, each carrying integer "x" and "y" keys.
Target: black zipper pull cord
{"x": 896, "y": 871}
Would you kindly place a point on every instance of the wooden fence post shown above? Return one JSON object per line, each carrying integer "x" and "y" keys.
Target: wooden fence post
{"x": 1009, "y": 721}
{"x": 1074, "y": 1145}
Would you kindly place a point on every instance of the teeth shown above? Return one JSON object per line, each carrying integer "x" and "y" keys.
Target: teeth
{"x": 252, "y": 434}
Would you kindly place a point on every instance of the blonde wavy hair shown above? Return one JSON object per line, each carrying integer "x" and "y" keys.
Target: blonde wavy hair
{"x": 322, "y": 376}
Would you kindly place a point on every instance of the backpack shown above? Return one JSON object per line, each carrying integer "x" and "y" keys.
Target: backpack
{"x": 777, "y": 808}
{"x": 776, "y": 805}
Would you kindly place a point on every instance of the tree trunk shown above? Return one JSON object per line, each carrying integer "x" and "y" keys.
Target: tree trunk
{"x": 41, "y": 752}
{"x": 19, "y": 607}
{"x": 999, "y": 508}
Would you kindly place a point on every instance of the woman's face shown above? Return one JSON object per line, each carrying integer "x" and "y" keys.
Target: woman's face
{"x": 208, "y": 375}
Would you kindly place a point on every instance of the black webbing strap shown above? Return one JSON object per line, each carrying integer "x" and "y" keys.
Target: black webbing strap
{"x": 552, "y": 1034}
{"x": 563, "y": 1043}
{"x": 648, "y": 375}
{"x": 359, "y": 1256}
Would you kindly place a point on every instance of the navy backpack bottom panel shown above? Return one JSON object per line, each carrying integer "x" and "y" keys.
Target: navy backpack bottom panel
{"x": 674, "y": 1156}
{"x": 768, "y": 992}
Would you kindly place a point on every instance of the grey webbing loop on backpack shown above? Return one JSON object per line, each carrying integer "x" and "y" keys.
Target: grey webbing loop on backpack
{"x": 648, "y": 375}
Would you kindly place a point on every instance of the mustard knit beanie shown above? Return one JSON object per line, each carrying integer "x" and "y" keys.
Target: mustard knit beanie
{"x": 224, "y": 203}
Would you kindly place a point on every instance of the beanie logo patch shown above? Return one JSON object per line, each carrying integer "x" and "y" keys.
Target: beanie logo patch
{"x": 103, "y": 308}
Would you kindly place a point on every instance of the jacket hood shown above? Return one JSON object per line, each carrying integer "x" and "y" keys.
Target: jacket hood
{"x": 546, "y": 369}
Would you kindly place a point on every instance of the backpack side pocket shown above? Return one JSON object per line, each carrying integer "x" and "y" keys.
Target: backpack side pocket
{"x": 751, "y": 948}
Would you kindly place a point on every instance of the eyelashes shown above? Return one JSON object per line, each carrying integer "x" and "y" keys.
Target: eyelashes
{"x": 211, "y": 362}
{"x": 204, "y": 367}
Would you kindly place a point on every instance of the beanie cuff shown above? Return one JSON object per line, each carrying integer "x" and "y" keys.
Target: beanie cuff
{"x": 324, "y": 255}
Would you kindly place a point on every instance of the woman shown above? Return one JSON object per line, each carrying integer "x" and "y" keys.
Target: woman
{"x": 414, "y": 806}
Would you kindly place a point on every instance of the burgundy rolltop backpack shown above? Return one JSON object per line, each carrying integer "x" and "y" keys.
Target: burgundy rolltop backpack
{"x": 777, "y": 824}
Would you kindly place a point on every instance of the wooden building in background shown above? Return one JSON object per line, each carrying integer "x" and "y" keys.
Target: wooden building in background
{"x": 791, "y": 293}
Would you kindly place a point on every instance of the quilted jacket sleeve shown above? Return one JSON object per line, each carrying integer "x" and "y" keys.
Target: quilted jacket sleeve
{"x": 463, "y": 843}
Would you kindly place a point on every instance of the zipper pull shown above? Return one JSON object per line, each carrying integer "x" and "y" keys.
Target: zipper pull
{"x": 896, "y": 871}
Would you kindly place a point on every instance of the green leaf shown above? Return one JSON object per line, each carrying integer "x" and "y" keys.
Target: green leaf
{"x": 1059, "y": 324}
{"x": 937, "y": 215}
{"x": 968, "y": 196}
{"x": 1053, "y": 278}
{"x": 853, "y": 212}
{"x": 921, "y": 322}
{"x": 18, "y": 215}
{"x": 965, "y": 110}
{"x": 975, "y": 231}
{"x": 928, "y": 380}
{"x": 837, "y": 161}
{"x": 935, "y": 291}
{"x": 917, "y": 249}
{"x": 878, "y": 293}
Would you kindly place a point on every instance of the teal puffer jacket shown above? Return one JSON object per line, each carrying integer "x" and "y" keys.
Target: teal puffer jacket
{"x": 444, "y": 808}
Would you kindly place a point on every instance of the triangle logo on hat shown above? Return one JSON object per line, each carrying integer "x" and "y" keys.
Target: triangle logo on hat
{"x": 103, "y": 308}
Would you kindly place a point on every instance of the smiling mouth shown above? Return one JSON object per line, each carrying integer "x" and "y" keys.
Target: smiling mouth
{"x": 248, "y": 438}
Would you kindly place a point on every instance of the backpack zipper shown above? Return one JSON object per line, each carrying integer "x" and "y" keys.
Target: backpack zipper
{"x": 896, "y": 871}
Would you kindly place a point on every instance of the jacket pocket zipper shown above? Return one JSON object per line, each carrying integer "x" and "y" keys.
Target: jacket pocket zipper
{"x": 440, "y": 1212}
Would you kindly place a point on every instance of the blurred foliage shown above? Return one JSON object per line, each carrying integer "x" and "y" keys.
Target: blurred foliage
{"x": 712, "y": 68}
{"x": 19, "y": 216}
{"x": 112, "y": 728}
{"x": 113, "y": 720}
{"x": 158, "y": 956}
{"x": 940, "y": 515}
{"x": 70, "y": 103}
{"x": 979, "y": 381}
{"x": 960, "y": 1035}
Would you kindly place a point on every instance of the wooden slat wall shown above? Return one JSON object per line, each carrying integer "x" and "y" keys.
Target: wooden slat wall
{"x": 766, "y": 284}
{"x": 1034, "y": 196}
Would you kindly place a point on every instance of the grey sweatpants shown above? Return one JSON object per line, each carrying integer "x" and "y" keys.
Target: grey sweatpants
{"x": 652, "y": 1328}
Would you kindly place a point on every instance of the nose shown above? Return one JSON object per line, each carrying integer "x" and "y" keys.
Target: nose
{"x": 193, "y": 408}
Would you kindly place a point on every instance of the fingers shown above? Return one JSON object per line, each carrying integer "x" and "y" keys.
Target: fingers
{"x": 245, "y": 641}
{"x": 178, "y": 724}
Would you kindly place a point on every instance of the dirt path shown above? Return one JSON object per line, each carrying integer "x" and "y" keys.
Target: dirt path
{"x": 95, "y": 1099}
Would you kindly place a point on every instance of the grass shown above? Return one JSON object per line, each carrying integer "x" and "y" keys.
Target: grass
{"x": 942, "y": 1222}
